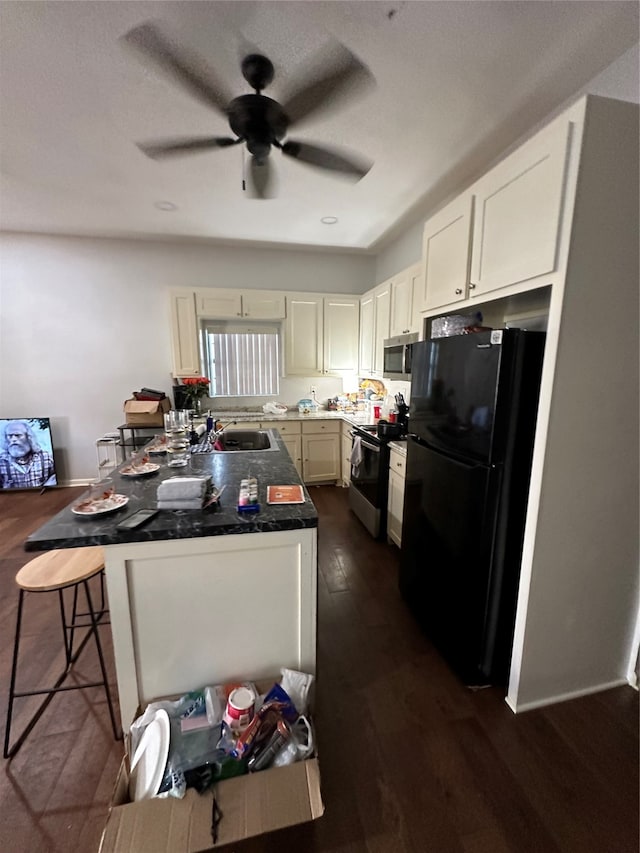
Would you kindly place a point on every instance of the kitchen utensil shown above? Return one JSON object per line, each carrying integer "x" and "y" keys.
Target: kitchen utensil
{"x": 388, "y": 430}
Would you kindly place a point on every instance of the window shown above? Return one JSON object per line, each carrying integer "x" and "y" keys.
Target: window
{"x": 241, "y": 359}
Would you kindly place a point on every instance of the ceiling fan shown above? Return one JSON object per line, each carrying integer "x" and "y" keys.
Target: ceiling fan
{"x": 256, "y": 120}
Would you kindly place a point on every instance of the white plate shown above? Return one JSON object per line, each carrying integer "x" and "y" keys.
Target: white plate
{"x": 150, "y": 758}
{"x": 157, "y": 450}
{"x": 100, "y": 506}
{"x": 140, "y": 470}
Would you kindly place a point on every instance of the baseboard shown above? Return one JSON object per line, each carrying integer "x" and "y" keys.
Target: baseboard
{"x": 565, "y": 697}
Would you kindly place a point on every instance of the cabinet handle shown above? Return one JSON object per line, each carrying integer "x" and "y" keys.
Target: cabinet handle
{"x": 472, "y": 287}
{"x": 239, "y": 314}
{"x": 399, "y": 464}
{"x": 458, "y": 291}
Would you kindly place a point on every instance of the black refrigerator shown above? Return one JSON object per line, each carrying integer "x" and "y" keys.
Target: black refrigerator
{"x": 474, "y": 402}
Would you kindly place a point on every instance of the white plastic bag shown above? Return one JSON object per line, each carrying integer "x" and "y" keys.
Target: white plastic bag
{"x": 274, "y": 409}
{"x": 297, "y": 685}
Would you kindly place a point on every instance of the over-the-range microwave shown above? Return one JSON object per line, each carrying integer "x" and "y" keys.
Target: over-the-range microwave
{"x": 397, "y": 356}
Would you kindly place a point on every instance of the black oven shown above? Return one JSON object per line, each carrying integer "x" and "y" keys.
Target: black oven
{"x": 370, "y": 479}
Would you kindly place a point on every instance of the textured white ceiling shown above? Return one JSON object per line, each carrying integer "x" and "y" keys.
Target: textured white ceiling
{"x": 455, "y": 81}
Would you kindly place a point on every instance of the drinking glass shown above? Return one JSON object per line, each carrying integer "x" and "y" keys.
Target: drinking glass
{"x": 176, "y": 427}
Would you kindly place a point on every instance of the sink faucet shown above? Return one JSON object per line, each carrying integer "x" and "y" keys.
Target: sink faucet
{"x": 215, "y": 434}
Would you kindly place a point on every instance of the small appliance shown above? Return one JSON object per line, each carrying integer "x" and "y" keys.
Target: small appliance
{"x": 396, "y": 362}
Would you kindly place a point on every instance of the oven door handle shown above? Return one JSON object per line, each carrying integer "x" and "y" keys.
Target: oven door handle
{"x": 374, "y": 447}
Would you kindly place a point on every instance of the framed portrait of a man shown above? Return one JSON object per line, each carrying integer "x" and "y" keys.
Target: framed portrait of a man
{"x": 26, "y": 454}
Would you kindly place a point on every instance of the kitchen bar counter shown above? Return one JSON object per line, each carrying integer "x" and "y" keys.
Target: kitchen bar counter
{"x": 193, "y": 599}
{"x": 269, "y": 467}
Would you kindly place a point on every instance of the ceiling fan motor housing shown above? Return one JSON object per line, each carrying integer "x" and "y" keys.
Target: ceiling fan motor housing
{"x": 257, "y": 70}
{"x": 259, "y": 120}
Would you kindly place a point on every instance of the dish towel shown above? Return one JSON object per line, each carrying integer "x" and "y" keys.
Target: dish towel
{"x": 356, "y": 455}
{"x": 183, "y": 488}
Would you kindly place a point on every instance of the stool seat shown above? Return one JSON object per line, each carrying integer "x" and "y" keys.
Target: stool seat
{"x": 61, "y": 568}
{"x": 65, "y": 572}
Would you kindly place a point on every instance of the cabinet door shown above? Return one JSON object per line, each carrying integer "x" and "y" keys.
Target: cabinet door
{"x": 445, "y": 254}
{"x": 304, "y": 339}
{"x": 401, "y": 304}
{"x": 382, "y": 299}
{"x": 367, "y": 309}
{"x": 341, "y": 334}
{"x": 320, "y": 457}
{"x": 417, "y": 289}
{"x": 263, "y": 305}
{"x": 394, "y": 507}
{"x": 219, "y": 304}
{"x": 347, "y": 443}
{"x": 184, "y": 334}
{"x": 293, "y": 443}
{"x": 518, "y": 210}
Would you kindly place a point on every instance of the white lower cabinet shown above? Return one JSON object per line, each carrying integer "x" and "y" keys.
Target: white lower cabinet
{"x": 346, "y": 443}
{"x": 395, "y": 502}
{"x": 321, "y": 451}
{"x": 293, "y": 443}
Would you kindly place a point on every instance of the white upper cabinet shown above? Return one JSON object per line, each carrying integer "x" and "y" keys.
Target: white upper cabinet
{"x": 221, "y": 304}
{"x": 401, "y": 304}
{"x": 321, "y": 334}
{"x": 518, "y": 207}
{"x": 184, "y": 334}
{"x": 382, "y": 318}
{"x": 367, "y": 309}
{"x": 445, "y": 254}
{"x": 304, "y": 335}
{"x": 341, "y": 315}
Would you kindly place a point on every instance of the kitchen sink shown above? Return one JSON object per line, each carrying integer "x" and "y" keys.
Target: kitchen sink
{"x": 239, "y": 441}
{"x": 246, "y": 439}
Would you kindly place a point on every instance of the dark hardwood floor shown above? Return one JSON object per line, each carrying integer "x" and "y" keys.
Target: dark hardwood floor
{"x": 411, "y": 760}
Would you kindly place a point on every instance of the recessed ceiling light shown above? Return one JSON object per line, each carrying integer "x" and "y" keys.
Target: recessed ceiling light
{"x": 165, "y": 205}
{"x": 329, "y": 220}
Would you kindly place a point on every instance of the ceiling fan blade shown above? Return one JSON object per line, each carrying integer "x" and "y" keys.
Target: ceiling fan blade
{"x": 188, "y": 70}
{"x": 327, "y": 158}
{"x": 341, "y": 76}
{"x": 172, "y": 147}
{"x": 261, "y": 182}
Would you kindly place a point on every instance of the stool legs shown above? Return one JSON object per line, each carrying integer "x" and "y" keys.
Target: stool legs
{"x": 70, "y": 658}
{"x": 103, "y": 670}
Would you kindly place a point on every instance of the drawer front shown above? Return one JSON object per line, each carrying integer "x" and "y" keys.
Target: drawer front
{"x": 346, "y": 430}
{"x": 398, "y": 463}
{"x": 285, "y": 427}
{"x": 243, "y": 425}
{"x": 315, "y": 427}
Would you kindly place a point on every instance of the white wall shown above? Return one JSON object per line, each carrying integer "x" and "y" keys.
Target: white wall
{"x": 84, "y": 322}
{"x": 620, "y": 80}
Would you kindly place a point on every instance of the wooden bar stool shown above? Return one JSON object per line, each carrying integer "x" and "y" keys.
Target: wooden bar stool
{"x": 60, "y": 570}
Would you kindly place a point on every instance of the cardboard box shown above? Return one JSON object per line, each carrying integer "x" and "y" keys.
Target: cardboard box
{"x": 146, "y": 412}
{"x": 249, "y": 805}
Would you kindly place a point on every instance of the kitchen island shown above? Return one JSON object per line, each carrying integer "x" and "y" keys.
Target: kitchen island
{"x": 201, "y": 597}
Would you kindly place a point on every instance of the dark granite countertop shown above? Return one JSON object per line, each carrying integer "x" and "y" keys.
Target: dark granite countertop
{"x": 269, "y": 467}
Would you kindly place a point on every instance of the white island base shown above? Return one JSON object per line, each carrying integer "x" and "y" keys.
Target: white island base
{"x": 187, "y": 613}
